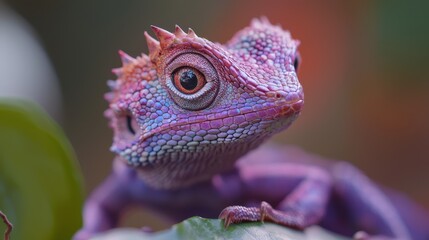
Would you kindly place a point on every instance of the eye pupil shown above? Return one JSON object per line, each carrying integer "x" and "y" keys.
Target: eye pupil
{"x": 188, "y": 80}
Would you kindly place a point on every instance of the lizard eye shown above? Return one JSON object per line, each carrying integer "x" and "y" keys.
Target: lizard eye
{"x": 192, "y": 81}
{"x": 188, "y": 80}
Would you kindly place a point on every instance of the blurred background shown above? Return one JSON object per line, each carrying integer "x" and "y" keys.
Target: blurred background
{"x": 365, "y": 72}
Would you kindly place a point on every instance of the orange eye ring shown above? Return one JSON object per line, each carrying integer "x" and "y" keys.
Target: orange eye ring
{"x": 188, "y": 80}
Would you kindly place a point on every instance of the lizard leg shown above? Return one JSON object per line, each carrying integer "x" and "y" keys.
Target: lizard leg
{"x": 102, "y": 210}
{"x": 304, "y": 206}
{"x": 370, "y": 209}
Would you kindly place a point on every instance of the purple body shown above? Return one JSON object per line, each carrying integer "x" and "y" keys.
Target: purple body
{"x": 186, "y": 118}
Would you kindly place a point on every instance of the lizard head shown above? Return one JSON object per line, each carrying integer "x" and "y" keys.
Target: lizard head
{"x": 190, "y": 108}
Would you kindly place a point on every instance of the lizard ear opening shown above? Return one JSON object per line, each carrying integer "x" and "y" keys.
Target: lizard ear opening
{"x": 297, "y": 62}
{"x": 127, "y": 128}
{"x": 131, "y": 123}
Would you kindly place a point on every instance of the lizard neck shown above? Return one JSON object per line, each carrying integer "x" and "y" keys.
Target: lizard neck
{"x": 181, "y": 170}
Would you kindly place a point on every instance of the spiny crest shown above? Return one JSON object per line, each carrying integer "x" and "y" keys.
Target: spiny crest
{"x": 112, "y": 84}
{"x": 262, "y": 23}
{"x": 125, "y": 58}
{"x": 117, "y": 71}
{"x": 191, "y": 33}
{"x": 178, "y": 31}
{"x": 258, "y": 22}
{"x": 166, "y": 39}
{"x": 153, "y": 46}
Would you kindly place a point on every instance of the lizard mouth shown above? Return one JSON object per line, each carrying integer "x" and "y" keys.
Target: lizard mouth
{"x": 282, "y": 112}
{"x": 277, "y": 110}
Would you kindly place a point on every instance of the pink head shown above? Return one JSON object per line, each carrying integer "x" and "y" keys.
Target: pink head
{"x": 191, "y": 108}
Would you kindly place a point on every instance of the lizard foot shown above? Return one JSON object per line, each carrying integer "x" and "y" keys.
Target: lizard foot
{"x": 237, "y": 214}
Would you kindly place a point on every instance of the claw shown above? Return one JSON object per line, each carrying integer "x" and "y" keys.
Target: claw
{"x": 225, "y": 215}
{"x": 265, "y": 207}
{"x": 237, "y": 214}
{"x": 227, "y": 222}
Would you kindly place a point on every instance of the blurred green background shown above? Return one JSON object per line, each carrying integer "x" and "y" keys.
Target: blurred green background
{"x": 365, "y": 73}
{"x": 40, "y": 183}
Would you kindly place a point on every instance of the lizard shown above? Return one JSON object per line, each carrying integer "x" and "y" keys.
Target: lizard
{"x": 188, "y": 119}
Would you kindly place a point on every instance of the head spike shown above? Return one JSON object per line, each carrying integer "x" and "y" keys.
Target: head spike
{"x": 109, "y": 96}
{"x": 117, "y": 71}
{"x": 255, "y": 23}
{"x": 112, "y": 84}
{"x": 260, "y": 22}
{"x": 191, "y": 33}
{"x": 152, "y": 44}
{"x": 264, "y": 20}
{"x": 125, "y": 58}
{"x": 179, "y": 32}
{"x": 165, "y": 37}
{"x": 297, "y": 43}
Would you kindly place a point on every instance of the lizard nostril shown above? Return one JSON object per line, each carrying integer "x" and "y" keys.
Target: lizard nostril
{"x": 292, "y": 97}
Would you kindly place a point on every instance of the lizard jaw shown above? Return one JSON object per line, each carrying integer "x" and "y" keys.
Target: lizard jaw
{"x": 183, "y": 167}
{"x": 283, "y": 108}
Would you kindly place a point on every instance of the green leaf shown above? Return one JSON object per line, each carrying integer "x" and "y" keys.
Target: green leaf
{"x": 40, "y": 186}
{"x": 201, "y": 228}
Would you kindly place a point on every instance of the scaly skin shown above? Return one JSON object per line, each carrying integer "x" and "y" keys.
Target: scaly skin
{"x": 184, "y": 114}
